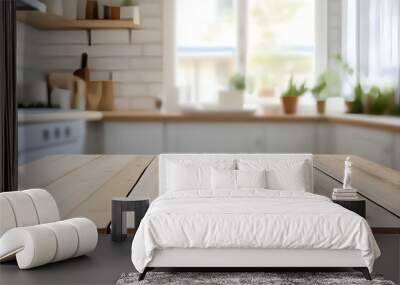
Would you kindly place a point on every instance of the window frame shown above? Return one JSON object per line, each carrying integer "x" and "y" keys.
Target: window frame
{"x": 169, "y": 49}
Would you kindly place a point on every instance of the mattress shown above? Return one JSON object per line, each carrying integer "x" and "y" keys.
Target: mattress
{"x": 250, "y": 219}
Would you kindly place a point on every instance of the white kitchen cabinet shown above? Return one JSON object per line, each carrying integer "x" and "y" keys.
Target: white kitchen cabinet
{"x": 132, "y": 138}
{"x": 215, "y": 137}
{"x": 325, "y": 139}
{"x": 291, "y": 138}
{"x": 375, "y": 145}
{"x": 380, "y": 146}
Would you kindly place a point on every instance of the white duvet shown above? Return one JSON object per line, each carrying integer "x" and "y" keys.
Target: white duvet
{"x": 250, "y": 219}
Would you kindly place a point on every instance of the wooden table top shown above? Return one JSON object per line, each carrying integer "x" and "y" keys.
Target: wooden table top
{"x": 84, "y": 185}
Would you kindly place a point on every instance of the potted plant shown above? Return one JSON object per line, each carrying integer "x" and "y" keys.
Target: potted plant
{"x": 234, "y": 96}
{"x": 130, "y": 11}
{"x": 396, "y": 110}
{"x": 317, "y": 92}
{"x": 380, "y": 102}
{"x": 357, "y": 106}
{"x": 291, "y": 95}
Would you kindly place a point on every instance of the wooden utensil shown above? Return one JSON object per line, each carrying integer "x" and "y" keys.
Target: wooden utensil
{"x": 107, "y": 97}
{"x": 93, "y": 94}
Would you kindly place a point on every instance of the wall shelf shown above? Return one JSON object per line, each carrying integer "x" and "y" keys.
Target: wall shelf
{"x": 46, "y": 21}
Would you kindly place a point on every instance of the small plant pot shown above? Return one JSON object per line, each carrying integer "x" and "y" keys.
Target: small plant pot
{"x": 231, "y": 99}
{"x": 130, "y": 13}
{"x": 321, "y": 106}
{"x": 290, "y": 104}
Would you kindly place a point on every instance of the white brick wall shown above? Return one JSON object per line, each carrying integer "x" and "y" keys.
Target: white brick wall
{"x": 110, "y": 37}
{"x": 132, "y": 58}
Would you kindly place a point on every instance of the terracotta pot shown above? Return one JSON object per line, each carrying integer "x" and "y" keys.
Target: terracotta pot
{"x": 349, "y": 106}
{"x": 321, "y": 107}
{"x": 290, "y": 104}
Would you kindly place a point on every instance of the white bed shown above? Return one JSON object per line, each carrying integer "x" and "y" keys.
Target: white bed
{"x": 198, "y": 223}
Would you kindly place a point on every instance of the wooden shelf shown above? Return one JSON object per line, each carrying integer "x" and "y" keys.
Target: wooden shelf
{"x": 46, "y": 21}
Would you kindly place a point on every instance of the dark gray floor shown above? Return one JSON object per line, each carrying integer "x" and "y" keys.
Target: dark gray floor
{"x": 103, "y": 266}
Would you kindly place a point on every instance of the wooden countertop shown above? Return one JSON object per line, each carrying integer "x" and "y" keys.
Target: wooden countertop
{"x": 387, "y": 123}
{"x": 375, "y": 182}
{"x": 84, "y": 185}
{"x": 207, "y": 118}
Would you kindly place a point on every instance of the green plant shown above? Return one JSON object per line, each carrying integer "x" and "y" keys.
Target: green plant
{"x": 358, "y": 107}
{"x": 396, "y": 110}
{"x": 335, "y": 78}
{"x": 294, "y": 90}
{"x": 318, "y": 88}
{"x": 128, "y": 2}
{"x": 380, "y": 101}
{"x": 237, "y": 82}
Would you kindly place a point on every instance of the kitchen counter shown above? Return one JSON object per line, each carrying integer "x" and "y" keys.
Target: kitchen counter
{"x": 44, "y": 116}
{"x": 388, "y": 123}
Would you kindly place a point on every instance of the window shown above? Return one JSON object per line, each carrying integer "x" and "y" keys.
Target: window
{"x": 206, "y": 42}
{"x": 268, "y": 40}
{"x": 372, "y": 40}
{"x": 281, "y": 43}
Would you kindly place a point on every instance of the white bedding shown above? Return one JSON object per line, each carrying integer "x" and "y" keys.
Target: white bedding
{"x": 250, "y": 218}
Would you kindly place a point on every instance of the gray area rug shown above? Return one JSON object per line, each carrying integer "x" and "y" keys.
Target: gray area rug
{"x": 269, "y": 278}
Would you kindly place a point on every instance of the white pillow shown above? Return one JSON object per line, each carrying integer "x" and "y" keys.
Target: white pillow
{"x": 223, "y": 179}
{"x": 251, "y": 178}
{"x": 282, "y": 174}
{"x": 193, "y": 174}
{"x": 188, "y": 177}
{"x": 237, "y": 179}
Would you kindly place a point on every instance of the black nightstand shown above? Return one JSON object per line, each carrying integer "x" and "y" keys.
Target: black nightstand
{"x": 118, "y": 220}
{"x": 356, "y": 206}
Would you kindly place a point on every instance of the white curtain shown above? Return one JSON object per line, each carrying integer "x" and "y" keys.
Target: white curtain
{"x": 371, "y": 40}
{"x": 384, "y": 47}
